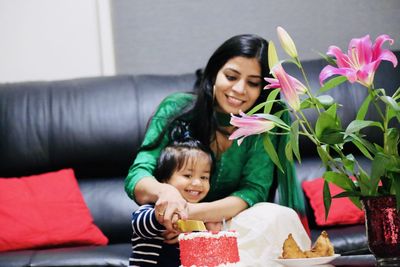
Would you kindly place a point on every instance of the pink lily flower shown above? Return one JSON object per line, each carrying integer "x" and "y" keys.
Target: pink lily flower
{"x": 362, "y": 60}
{"x": 291, "y": 88}
{"x": 249, "y": 125}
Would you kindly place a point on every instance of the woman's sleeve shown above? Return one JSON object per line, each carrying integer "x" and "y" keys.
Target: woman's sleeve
{"x": 257, "y": 173}
{"x": 146, "y": 160}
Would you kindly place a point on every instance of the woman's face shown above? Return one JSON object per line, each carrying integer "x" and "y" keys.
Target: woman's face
{"x": 238, "y": 85}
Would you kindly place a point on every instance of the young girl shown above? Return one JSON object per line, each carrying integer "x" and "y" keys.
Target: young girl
{"x": 186, "y": 165}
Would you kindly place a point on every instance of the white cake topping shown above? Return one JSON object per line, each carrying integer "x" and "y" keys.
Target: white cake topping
{"x": 187, "y": 236}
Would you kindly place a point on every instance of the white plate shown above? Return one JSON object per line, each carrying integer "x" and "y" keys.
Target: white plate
{"x": 306, "y": 261}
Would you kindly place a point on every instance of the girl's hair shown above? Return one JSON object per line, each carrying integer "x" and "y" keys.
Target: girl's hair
{"x": 175, "y": 156}
{"x": 201, "y": 115}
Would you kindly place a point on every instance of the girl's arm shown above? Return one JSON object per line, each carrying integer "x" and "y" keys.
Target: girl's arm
{"x": 218, "y": 210}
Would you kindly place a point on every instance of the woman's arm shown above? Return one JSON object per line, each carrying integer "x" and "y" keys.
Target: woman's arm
{"x": 218, "y": 210}
{"x": 166, "y": 197}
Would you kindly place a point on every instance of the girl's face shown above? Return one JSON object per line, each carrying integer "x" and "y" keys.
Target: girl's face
{"x": 238, "y": 85}
{"x": 193, "y": 180}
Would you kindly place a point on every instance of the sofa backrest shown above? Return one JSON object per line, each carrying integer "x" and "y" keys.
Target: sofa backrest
{"x": 93, "y": 125}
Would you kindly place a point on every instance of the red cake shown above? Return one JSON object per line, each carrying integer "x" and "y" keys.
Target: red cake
{"x": 208, "y": 249}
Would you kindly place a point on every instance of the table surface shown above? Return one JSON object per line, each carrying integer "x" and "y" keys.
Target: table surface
{"x": 356, "y": 260}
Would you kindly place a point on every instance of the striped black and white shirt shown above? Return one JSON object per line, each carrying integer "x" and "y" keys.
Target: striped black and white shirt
{"x": 148, "y": 248}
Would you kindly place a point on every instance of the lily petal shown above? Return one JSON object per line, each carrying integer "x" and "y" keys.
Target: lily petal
{"x": 273, "y": 83}
{"x": 249, "y": 125}
{"x": 290, "y": 87}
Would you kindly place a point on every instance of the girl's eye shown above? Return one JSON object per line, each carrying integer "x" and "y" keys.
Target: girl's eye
{"x": 204, "y": 177}
{"x": 187, "y": 176}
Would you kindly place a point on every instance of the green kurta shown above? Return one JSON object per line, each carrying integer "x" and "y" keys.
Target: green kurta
{"x": 245, "y": 171}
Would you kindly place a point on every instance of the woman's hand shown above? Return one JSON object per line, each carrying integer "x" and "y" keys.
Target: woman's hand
{"x": 170, "y": 207}
{"x": 171, "y": 237}
{"x": 214, "y": 226}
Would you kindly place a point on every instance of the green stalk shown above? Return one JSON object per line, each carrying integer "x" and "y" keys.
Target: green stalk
{"x": 308, "y": 92}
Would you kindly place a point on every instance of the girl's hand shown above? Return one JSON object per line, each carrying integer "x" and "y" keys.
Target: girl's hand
{"x": 170, "y": 203}
{"x": 170, "y": 237}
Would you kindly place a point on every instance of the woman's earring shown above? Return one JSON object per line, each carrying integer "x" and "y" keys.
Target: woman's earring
{"x": 214, "y": 92}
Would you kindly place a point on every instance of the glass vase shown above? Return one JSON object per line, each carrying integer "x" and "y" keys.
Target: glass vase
{"x": 382, "y": 221}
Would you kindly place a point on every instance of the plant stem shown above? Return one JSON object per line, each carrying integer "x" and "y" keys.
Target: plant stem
{"x": 308, "y": 92}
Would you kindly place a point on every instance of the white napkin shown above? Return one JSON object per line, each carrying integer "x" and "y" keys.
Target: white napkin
{"x": 262, "y": 230}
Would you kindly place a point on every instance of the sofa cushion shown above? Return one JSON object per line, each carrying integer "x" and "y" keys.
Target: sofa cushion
{"x": 83, "y": 256}
{"x": 342, "y": 210}
{"x": 45, "y": 210}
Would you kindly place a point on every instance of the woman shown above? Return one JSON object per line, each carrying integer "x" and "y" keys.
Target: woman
{"x": 232, "y": 81}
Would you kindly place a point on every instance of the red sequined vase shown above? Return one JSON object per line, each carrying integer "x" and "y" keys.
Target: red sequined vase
{"x": 382, "y": 222}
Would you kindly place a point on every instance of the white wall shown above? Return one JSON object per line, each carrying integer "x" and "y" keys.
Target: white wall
{"x": 178, "y": 36}
{"x": 55, "y": 39}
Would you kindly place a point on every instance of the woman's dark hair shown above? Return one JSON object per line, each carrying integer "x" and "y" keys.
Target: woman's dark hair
{"x": 174, "y": 156}
{"x": 248, "y": 45}
{"x": 202, "y": 115}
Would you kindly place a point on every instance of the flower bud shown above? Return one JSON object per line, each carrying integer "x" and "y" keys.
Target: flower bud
{"x": 272, "y": 56}
{"x": 287, "y": 42}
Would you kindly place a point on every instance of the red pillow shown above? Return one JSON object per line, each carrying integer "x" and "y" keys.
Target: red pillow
{"x": 45, "y": 210}
{"x": 342, "y": 210}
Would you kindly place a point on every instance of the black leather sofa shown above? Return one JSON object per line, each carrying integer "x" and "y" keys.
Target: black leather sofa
{"x": 100, "y": 124}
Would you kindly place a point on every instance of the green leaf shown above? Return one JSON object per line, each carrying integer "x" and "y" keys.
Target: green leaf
{"x": 356, "y": 202}
{"x": 332, "y": 83}
{"x": 392, "y": 141}
{"x": 275, "y": 119}
{"x": 378, "y": 168}
{"x": 328, "y": 127}
{"x": 270, "y": 149}
{"x": 294, "y": 139}
{"x": 363, "y": 182}
{"x": 364, "y": 108}
{"x": 396, "y": 94}
{"x": 332, "y": 137}
{"x": 327, "y": 199}
{"x": 256, "y": 108}
{"x": 340, "y": 179}
{"x": 349, "y": 163}
{"x": 353, "y": 196}
{"x": 391, "y": 102}
{"x": 368, "y": 145}
{"x": 330, "y": 60}
{"x": 357, "y": 125}
{"x": 396, "y": 186}
{"x": 363, "y": 150}
{"x": 326, "y": 100}
{"x": 270, "y": 100}
{"x": 323, "y": 155}
{"x": 288, "y": 151}
{"x": 347, "y": 194}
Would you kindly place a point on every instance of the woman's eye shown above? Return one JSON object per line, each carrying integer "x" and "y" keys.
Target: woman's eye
{"x": 254, "y": 84}
{"x": 230, "y": 78}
